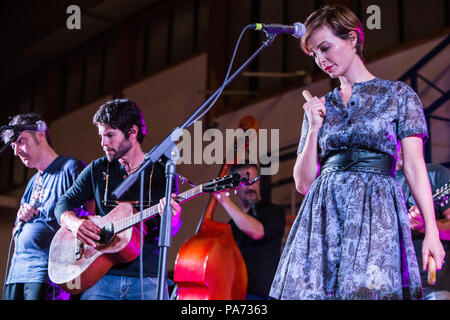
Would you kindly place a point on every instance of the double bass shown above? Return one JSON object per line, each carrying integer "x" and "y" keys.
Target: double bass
{"x": 209, "y": 266}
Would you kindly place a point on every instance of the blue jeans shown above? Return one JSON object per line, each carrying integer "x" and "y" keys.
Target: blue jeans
{"x": 123, "y": 288}
{"x": 34, "y": 291}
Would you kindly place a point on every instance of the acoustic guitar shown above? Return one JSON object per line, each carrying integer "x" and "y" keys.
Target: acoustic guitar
{"x": 76, "y": 266}
{"x": 440, "y": 198}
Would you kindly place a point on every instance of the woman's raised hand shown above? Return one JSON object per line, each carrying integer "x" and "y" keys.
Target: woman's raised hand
{"x": 314, "y": 109}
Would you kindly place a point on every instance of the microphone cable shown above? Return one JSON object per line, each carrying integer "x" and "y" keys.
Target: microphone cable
{"x": 19, "y": 228}
{"x": 9, "y": 257}
{"x": 222, "y": 87}
{"x": 208, "y": 107}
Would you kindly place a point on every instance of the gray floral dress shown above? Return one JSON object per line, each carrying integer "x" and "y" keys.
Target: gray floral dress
{"x": 351, "y": 238}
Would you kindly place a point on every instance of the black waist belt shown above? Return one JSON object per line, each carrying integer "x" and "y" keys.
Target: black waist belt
{"x": 359, "y": 160}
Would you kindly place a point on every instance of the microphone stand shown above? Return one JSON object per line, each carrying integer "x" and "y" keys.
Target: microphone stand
{"x": 168, "y": 148}
{"x": 13, "y": 138}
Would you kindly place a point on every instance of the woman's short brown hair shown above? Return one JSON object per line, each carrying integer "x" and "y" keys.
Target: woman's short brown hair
{"x": 340, "y": 19}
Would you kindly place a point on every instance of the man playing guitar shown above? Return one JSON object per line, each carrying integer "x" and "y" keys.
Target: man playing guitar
{"x": 121, "y": 127}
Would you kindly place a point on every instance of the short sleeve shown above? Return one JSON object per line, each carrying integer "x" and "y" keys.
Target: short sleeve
{"x": 78, "y": 194}
{"x": 411, "y": 118}
{"x": 75, "y": 167}
{"x": 303, "y": 135}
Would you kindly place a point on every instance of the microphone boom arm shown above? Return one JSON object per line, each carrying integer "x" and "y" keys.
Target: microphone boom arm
{"x": 166, "y": 147}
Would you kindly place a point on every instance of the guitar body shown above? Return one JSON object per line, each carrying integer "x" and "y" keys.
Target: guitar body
{"x": 76, "y": 267}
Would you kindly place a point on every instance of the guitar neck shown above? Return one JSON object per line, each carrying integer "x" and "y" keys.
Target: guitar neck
{"x": 441, "y": 193}
{"x": 153, "y": 210}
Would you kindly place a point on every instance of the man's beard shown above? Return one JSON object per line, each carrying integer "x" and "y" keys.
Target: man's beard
{"x": 248, "y": 200}
{"x": 122, "y": 150}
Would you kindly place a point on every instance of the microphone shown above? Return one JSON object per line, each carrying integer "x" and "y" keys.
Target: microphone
{"x": 297, "y": 29}
{"x": 35, "y": 204}
{"x": 39, "y": 126}
{"x": 19, "y": 228}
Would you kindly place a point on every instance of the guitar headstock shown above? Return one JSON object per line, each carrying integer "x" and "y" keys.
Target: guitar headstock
{"x": 234, "y": 181}
{"x": 442, "y": 194}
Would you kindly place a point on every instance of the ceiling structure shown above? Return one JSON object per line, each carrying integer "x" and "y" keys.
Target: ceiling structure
{"x": 34, "y": 32}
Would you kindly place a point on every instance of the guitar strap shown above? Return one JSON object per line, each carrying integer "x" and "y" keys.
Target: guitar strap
{"x": 114, "y": 203}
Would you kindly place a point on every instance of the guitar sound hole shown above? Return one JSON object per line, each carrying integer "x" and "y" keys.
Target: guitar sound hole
{"x": 106, "y": 233}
